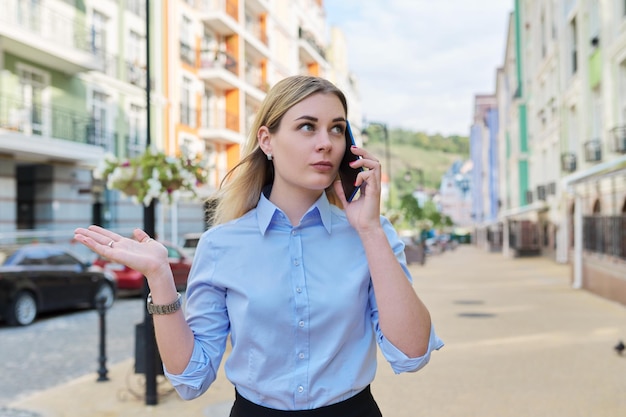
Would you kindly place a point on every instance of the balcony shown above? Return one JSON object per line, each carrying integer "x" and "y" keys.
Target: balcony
{"x": 256, "y": 85}
{"x": 221, "y": 126}
{"x": 568, "y": 162}
{"x": 48, "y": 132}
{"x": 310, "y": 50}
{"x": 53, "y": 36}
{"x": 619, "y": 139}
{"x": 136, "y": 74}
{"x": 593, "y": 150}
{"x": 258, "y": 5}
{"x": 220, "y": 15}
{"x": 256, "y": 41}
{"x": 219, "y": 69}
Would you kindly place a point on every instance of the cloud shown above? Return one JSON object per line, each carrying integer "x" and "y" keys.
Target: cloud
{"x": 420, "y": 62}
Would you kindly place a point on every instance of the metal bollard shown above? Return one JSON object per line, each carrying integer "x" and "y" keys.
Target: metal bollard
{"x": 102, "y": 359}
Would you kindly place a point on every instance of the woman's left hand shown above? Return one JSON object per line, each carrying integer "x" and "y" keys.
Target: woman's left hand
{"x": 364, "y": 211}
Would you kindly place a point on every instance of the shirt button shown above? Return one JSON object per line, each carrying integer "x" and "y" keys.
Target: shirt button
{"x": 300, "y": 388}
{"x": 301, "y": 323}
{"x": 301, "y": 355}
{"x": 298, "y": 290}
{"x": 294, "y": 232}
{"x": 296, "y": 262}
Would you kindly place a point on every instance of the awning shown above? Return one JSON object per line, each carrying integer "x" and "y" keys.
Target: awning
{"x": 603, "y": 170}
{"x": 537, "y": 206}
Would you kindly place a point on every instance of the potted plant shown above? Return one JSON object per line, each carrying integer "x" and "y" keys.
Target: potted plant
{"x": 152, "y": 175}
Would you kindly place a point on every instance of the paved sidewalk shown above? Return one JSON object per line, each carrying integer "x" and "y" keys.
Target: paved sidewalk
{"x": 519, "y": 342}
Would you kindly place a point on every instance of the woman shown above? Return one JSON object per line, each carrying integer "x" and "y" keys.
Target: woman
{"x": 305, "y": 283}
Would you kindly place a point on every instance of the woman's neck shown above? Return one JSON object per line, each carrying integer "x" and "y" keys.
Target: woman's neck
{"x": 294, "y": 205}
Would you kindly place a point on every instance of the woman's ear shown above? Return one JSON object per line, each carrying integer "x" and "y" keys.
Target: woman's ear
{"x": 264, "y": 139}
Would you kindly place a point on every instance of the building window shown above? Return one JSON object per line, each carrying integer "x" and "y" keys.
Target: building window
{"x": 99, "y": 120}
{"x": 136, "y": 142}
{"x": 99, "y": 33}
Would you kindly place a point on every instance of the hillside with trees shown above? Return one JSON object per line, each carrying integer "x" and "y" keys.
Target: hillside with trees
{"x": 417, "y": 160}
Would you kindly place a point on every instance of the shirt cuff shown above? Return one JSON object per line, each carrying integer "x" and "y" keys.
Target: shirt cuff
{"x": 196, "y": 378}
{"x": 402, "y": 363}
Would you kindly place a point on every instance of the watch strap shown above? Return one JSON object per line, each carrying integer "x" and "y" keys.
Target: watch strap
{"x": 164, "y": 308}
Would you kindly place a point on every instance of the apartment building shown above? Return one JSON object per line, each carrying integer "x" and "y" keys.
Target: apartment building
{"x": 561, "y": 98}
{"x": 73, "y": 88}
{"x": 67, "y": 96}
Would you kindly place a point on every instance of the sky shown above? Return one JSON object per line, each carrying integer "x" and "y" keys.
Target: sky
{"x": 419, "y": 63}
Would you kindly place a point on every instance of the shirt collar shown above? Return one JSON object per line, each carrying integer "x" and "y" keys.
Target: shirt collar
{"x": 266, "y": 211}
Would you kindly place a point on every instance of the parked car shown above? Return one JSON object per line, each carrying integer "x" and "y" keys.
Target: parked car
{"x": 190, "y": 243}
{"x": 39, "y": 278}
{"x": 130, "y": 279}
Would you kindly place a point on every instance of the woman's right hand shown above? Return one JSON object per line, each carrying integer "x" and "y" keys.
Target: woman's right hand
{"x": 142, "y": 253}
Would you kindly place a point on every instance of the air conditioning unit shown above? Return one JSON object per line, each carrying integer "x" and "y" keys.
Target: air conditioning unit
{"x": 529, "y": 197}
{"x": 552, "y": 188}
{"x": 593, "y": 151}
{"x": 568, "y": 162}
{"x": 541, "y": 192}
{"x": 619, "y": 139}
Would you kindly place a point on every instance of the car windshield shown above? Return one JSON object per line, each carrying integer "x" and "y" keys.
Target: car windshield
{"x": 7, "y": 257}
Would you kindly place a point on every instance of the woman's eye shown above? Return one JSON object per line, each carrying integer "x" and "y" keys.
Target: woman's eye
{"x": 307, "y": 127}
{"x": 338, "y": 129}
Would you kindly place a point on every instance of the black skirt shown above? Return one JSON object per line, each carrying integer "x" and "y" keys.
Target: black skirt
{"x": 361, "y": 405}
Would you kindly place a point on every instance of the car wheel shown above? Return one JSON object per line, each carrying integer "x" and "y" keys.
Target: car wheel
{"x": 104, "y": 291}
{"x": 23, "y": 310}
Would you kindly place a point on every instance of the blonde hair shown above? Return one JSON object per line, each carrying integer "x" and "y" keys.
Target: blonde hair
{"x": 242, "y": 186}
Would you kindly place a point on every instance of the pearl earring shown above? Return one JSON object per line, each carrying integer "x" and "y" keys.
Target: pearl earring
{"x": 269, "y": 156}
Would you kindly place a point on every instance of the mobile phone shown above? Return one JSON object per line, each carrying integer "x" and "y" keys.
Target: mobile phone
{"x": 347, "y": 174}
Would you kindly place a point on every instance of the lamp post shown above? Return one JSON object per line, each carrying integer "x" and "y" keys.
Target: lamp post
{"x": 383, "y": 127}
{"x": 150, "y": 351}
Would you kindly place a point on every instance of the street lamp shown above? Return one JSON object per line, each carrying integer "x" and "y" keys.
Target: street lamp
{"x": 150, "y": 348}
{"x": 383, "y": 127}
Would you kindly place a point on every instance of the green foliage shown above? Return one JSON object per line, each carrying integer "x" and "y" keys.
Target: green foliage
{"x": 417, "y": 161}
{"x": 454, "y": 144}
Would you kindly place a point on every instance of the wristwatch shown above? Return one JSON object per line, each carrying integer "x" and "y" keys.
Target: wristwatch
{"x": 163, "y": 308}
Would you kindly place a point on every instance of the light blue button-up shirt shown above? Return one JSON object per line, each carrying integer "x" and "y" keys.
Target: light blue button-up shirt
{"x": 298, "y": 303}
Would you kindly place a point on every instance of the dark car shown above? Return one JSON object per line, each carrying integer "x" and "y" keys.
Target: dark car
{"x": 41, "y": 278}
{"x": 133, "y": 281}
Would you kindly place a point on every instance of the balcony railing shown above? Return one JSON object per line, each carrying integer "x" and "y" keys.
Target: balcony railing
{"x": 220, "y": 120}
{"x": 136, "y": 74}
{"x": 103, "y": 138}
{"x": 137, "y": 7}
{"x": 605, "y": 235}
{"x": 50, "y": 24}
{"x": 310, "y": 39}
{"x": 619, "y": 139}
{"x": 593, "y": 150}
{"x": 219, "y": 59}
{"x": 568, "y": 162}
{"x": 43, "y": 120}
{"x": 135, "y": 144}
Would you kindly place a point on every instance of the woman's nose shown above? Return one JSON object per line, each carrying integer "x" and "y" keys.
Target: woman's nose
{"x": 323, "y": 142}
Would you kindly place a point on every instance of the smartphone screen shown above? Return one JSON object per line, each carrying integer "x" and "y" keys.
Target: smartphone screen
{"x": 347, "y": 174}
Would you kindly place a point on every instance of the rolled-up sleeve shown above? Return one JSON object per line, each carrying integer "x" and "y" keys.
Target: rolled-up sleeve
{"x": 399, "y": 361}
{"x": 402, "y": 363}
{"x": 207, "y": 316}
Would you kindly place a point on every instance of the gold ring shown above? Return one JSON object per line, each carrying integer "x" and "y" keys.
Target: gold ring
{"x": 110, "y": 244}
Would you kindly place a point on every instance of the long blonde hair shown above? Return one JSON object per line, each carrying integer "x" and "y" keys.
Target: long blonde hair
{"x": 242, "y": 186}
